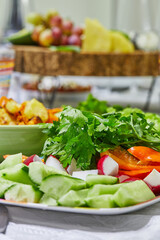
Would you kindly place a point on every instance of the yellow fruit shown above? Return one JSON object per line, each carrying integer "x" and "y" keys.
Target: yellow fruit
{"x": 96, "y": 37}
{"x": 34, "y": 108}
{"x": 120, "y": 43}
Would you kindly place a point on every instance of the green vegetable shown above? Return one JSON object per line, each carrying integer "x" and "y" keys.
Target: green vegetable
{"x": 102, "y": 201}
{"x": 133, "y": 193}
{"x": 100, "y": 179}
{"x": 93, "y": 105}
{"x": 56, "y": 186}
{"x": 48, "y": 200}
{"x": 11, "y": 161}
{"x": 83, "y": 135}
{"x": 74, "y": 198}
{"x": 23, "y": 193}
{"x": 18, "y": 173}
{"x": 39, "y": 171}
{"x": 69, "y": 48}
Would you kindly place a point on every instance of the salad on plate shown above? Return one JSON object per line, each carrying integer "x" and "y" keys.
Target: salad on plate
{"x": 95, "y": 156}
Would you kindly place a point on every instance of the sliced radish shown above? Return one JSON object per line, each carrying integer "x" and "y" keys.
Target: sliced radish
{"x": 107, "y": 166}
{"x": 33, "y": 158}
{"x": 83, "y": 174}
{"x": 72, "y": 167}
{"x": 153, "y": 181}
{"x": 122, "y": 178}
{"x": 130, "y": 179}
{"x": 54, "y": 162}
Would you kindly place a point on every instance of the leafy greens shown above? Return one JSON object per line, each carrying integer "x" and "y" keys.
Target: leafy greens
{"x": 82, "y": 134}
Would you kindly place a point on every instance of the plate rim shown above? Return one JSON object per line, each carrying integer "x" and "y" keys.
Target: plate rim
{"x": 83, "y": 210}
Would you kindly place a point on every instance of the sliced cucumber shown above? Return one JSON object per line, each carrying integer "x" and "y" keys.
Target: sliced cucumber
{"x": 100, "y": 179}
{"x": 18, "y": 173}
{"x": 101, "y": 189}
{"x": 38, "y": 171}
{"x": 48, "y": 200}
{"x": 74, "y": 198}
{"x": 102, "y": 201}
{"x": 11, "y": 161}
{"x": 133, "y": 193}
{"x": 58, "y": 185}
{"x": 4, "y": 186}
{"x": 23, "y": 193}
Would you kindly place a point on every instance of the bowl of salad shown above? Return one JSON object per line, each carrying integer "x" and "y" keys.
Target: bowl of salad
{"x": 20, "y": 129}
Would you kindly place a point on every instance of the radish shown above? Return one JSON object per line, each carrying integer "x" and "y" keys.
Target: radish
{"x": 107, "y": 166}
{"x": 33, "y": 158}
{"x": 130, "y": 179}
{"x": 153, "y": 181}
{"x": 72, "y": 167}
{"x": 83, "y": 174}
{"x": 54, "y": 162}
{"x": 122, "y": 178}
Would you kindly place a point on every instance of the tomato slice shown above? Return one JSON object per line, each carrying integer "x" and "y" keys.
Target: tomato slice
{"x": 145, "y": 154}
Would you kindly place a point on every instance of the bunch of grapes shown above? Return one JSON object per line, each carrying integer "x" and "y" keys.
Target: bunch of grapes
{"x": 54, "y": 30}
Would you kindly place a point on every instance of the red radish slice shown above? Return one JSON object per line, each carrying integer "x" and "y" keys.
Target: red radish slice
{"x": 33, "y": 158}
{"x": 107, "y": 166}
{"x": 131, "y": 179}
{"x": 83, "y": 174}
{"x": 153, "y": 181}
{"x": 72, "y": 167}
{"x": 122, "y": 178}
{"x": 54, "y": 162}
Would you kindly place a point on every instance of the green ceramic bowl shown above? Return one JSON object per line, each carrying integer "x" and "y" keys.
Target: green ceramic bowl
{"x": 27, "y": 139}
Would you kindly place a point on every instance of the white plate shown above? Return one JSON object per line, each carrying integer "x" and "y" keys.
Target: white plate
{"x": 83, "y": 210}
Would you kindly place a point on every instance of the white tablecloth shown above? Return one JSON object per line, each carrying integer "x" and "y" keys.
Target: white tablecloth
{"x": 30, "y": 232}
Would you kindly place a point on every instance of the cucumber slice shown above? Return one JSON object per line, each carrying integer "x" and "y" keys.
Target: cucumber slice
{"x": 100, "y": 179}
{"x": 102, "y": 201}
{"x": 11, "y": 161}
{"x": 133, "y": 193}
{"x": 18, "y": 173}
{"x": 38, "y": 171}
{"x": 74, "y": 198}
{"x": 5, "y": 185}
{"x": 48, "y": 200}
{"x": 101, "y": 189}
{"x": 58, "y": 185}
{"x": 23, "y": 193}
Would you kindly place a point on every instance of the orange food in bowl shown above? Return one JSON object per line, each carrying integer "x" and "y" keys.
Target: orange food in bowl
{"x": 28, "y": 113}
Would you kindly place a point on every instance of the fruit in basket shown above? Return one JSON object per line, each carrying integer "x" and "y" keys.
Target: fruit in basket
{"x": 96, "y": 37}
{"x": 56, "y": 21}
{"x": 120, "y": 43}
{"x": 50, "y": 14}
{"x": 37, "y": 31}
{"x": 77, "y": 30}
{"x": 67, "y": 26}
{"x": 74, "y": 40}
{"x": 64, "y": 40}
{"x": 57, "y": 34}
{"x": 22, "y": 37}
{"x": 35, "y": 18}
{"x": 104, "y": 41}
{"x": 46, "y": 38}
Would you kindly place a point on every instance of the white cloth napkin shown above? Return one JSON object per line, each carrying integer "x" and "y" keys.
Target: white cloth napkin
{"x": 31, "y": 232}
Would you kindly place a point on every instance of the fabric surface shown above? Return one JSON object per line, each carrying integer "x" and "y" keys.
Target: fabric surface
{"x": 31, "y": 232}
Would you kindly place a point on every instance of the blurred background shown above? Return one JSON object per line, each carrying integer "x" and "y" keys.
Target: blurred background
{"x": 131, "y": 16}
